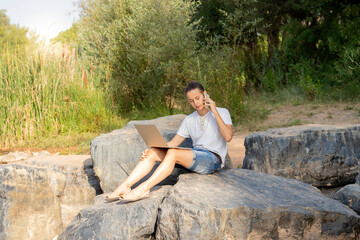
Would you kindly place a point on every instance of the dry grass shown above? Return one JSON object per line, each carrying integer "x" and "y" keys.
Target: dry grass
{"x": 46, "y": 92}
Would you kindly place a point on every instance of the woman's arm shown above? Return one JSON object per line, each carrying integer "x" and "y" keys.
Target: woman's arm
{"x": 176, "y": 141}
{"x": 225, "y": 129}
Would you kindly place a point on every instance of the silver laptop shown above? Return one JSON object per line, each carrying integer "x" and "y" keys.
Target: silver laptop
{"x": 152, "y": 136}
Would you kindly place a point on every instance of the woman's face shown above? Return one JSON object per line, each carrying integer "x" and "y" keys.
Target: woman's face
{"x": 196, "y": 98}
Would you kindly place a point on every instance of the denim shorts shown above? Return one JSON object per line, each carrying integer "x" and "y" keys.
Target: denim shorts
{"x": 204, "y": 161}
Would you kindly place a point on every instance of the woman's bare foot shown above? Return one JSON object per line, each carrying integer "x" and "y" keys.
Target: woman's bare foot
{"x": 135, "y": 195}
{"x": 120, "y": 191}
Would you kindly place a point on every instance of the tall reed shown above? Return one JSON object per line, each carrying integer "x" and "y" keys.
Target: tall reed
{"x": 45, "y": 92}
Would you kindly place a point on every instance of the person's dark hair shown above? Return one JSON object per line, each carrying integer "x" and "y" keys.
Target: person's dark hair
{"x": 193, "y": 85}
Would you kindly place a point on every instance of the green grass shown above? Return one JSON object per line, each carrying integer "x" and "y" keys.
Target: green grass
{"x": 293, "y": 122}
{"x": 310, "y": 114}
{"x": 45, "y": 95}
{"x": 314, "y": 107}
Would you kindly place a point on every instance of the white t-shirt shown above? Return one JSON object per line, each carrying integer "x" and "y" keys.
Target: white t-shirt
{"x": 204, "y": 131}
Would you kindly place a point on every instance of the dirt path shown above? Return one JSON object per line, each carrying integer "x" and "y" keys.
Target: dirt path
{"x": 289, "y": 115}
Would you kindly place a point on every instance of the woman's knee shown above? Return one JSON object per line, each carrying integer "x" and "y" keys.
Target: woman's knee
{"x": 153, "y": 154}
{"x": 171, "y": 154}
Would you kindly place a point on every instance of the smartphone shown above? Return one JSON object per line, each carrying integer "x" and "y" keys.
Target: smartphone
{"x": 207, "y": 106}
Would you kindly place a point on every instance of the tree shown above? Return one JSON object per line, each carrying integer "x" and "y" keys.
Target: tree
{"x": 210, "y": 15}
{"x": 4, "y": 24}
{"x": 11, "y": 34}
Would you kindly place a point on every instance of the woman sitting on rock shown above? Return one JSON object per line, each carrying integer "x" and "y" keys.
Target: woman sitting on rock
{"x": 209, "y": 127}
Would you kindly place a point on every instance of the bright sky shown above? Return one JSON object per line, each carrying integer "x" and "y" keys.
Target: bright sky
{"x": 46, "y": 17}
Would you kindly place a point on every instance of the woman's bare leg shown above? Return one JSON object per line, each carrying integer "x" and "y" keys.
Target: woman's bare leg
{"x": 144, "y": 166}
{"x": 180, "y": 156}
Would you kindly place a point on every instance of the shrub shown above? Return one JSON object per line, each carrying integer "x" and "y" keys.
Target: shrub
{"x": 348, "y": 70}
{"x": 142, "y": 49}
{"x": 221, "y": 70}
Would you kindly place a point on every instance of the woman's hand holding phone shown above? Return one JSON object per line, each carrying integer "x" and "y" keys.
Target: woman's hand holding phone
{"x": 208, "y": 103}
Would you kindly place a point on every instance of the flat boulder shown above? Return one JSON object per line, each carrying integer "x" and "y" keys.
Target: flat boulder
{"x": 349, "y": 195}
{"x": 116, "y": 154}
{"x": 321, "y": 155}
{"x": 41, "y": 195}
{"x": 230, "y": 204}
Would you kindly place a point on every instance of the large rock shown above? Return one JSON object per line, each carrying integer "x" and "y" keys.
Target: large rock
{"x": 230, "y": 204}
{"x": 321, "y": 155}
{"x": 116, "y": 154}
{"x": 41, "y": 195}
{"x": 358, "y": 179}
{"x": 117, "y": 220}
{"x": 243, "y": 204}
{"x": 349, "y": 195}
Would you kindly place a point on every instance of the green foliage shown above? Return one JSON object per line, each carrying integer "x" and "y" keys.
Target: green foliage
{"x": 45, "y": 95}
{"x": 4, "y": 19}
{"x": 267, "y": 71}
{"x": 4, "y": 24}
{"x": 272, "y": 15}
{"x": 10, "y": 34}
{"x": 68, "y": 37}
{"x": 223, "y": 77}
{"x": 146, "y": 52}
{"x": 320, "y": 35}
{"x": 292, "y": 122}
{"x": 302, "y": 75}
{"x": 348, "y": 71}
{"x": 241, "y": 24}
{"x": 350, "y": 20}
{"x": 287, "y": 42}
{"x": 210, "y": 16}
{"x": 348, "y": 66}
{"x": 142, "y": 49}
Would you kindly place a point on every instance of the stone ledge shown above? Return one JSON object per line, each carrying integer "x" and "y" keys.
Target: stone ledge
{"x": 39, "y": 196}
